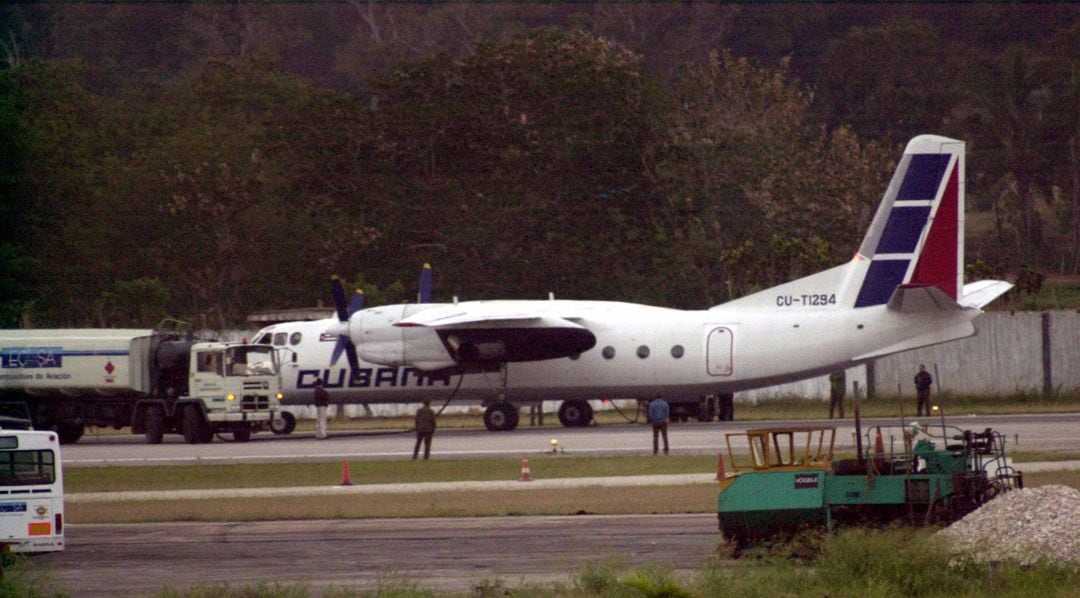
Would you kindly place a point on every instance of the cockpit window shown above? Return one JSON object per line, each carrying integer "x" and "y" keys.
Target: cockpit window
{"x": 279, "y": 339}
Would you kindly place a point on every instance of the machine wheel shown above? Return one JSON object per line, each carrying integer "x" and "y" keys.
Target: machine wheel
{"x": 575, "y": 414}
{"x": 155, "y": 424}
{"x": 284, "y": 424}
{"x": 69, "y": 433}
{"x": 501, "y": 417}
{"x": 196, "y": 429}
{"x": 241, "y": 434}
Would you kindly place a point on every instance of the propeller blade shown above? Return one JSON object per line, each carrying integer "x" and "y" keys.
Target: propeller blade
{"x": 424, "y": 296}
{"x": 357, "y": 302}
{"x": 350, "y": 352}
{"x": 344, "y": 342}
{"x": 338, "y": 293}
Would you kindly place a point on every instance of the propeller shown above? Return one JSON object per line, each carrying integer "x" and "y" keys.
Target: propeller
{"x": 424, "y": 296}
{"x": 341, "y": 329}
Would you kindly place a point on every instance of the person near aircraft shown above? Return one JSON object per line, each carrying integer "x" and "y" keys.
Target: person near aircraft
{"x": 322, "y": 401}
{"x": 837, "y": 384}
{"x": 923, "y": 381}
{"x": 425, "y": 429}
{"x": 659, "y": 412}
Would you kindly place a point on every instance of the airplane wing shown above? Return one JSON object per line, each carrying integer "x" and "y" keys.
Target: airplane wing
{"x": 493, "y": 314}
{"x": 502, "y": 332}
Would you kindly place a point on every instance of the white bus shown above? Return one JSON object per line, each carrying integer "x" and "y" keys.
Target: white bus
{"x": 31, "y": 491}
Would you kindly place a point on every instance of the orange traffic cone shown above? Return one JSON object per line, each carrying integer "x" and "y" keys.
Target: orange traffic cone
{"x": 345, "y": 481}
{"x": 526, "y": 476}
{"x": 720, "y": 473}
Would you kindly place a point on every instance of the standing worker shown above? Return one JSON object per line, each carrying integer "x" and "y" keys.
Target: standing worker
{"x": 322, "y": 400}
{"x": 659, "y": 411}
{"x": 923, "y": 381}
{"x": 837, "y": 388}
{"x": 425, "y": 429}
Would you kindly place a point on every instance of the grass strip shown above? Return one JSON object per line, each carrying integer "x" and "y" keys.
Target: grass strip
{"x": 274, "y": 475}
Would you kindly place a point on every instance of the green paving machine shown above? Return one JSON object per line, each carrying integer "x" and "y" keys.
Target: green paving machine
{"x": 792, "y": 482}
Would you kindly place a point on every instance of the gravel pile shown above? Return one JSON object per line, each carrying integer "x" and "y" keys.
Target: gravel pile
{"x": 1022, "y": 526}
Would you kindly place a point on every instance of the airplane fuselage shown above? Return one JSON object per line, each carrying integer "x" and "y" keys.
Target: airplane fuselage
{"x": 641, "y": 351}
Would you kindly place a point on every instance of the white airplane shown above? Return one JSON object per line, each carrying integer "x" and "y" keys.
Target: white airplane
{"x": 903, "y": 289}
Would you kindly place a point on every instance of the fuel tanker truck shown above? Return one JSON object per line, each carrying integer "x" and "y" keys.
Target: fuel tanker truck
{"x": 155, "y": 382}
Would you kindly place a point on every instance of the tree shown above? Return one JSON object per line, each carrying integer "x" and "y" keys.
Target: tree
{"x": 890, "y": 82}
{"x": 759, "y": 194}
{"x": 525, "y": 160}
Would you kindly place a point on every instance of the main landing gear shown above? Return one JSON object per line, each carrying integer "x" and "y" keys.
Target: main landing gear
{"x": 501, "y": 417}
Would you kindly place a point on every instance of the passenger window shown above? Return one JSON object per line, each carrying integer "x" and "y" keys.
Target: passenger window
{"x": 294, "y": 339}
{"x": 677, "y": 351}
{"x": 608, "y": 352}
{"x": 643, "y": 351}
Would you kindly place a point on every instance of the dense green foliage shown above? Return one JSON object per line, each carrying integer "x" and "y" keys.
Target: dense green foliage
{"x": 205, "y": 161}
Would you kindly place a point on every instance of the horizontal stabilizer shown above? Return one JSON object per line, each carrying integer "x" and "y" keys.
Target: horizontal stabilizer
{"x": 920, "y": 298}
{"x": 979, "y": 294}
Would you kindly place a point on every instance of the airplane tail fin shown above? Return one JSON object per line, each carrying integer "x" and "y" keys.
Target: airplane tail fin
{"x": 917, "y": 235}
{"x": 915, "y": 242}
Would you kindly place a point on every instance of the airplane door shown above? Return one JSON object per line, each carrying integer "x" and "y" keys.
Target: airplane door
{"x": 718, "y": 352}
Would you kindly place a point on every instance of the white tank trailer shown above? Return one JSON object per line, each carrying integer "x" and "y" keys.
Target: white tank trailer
{"x": 151, "y": 381}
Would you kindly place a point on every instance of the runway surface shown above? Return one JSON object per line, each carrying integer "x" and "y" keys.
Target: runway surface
{"x": 445, "y": 554}
{"x": 1041, "y": 432}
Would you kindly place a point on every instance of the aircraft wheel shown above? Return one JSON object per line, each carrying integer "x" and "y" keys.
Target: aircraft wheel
{"x": 155, "y": 424}
{"x": 575, "y": 414}
{"x": 706, "y": 410}
{"x": 284, "y": 424}
{"x": 501, "y": 417}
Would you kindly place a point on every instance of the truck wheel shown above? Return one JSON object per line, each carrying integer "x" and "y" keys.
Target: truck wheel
{"x": 500, "y": 417}
{"x": 155, "y": 424}
{"x": 241, "y": 434}
{"x": 284, "y": 424}
{"x": 196, "y": 430}
{"x": 575, "y": 414}
{"x": 69, "y": 433}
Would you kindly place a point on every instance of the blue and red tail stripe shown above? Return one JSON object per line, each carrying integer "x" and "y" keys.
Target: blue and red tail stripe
{"x": 920, "y": 201}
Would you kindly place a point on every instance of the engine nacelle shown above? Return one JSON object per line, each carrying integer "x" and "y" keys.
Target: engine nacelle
{"x": 378, "y": 341}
